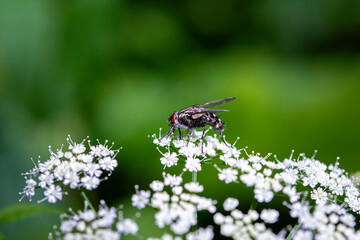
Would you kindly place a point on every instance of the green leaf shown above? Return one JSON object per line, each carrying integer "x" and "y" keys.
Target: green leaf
{"x": 22, "y": 210}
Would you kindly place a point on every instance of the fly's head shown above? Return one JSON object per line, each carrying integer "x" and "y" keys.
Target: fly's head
{"x": 173, "y": 119}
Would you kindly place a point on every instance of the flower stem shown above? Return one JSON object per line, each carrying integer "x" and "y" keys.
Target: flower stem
{"x": 194, "y": 177}
{"x": 254, "y": 203}
{"x": 293, "y": 231}
{"x": 86, "y": 199}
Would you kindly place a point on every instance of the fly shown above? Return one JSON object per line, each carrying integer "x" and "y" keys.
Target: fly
{"x": 198, "y": 116}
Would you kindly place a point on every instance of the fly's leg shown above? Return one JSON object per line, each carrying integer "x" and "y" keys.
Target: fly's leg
{"x": 202, "y": 140}
{"x": 188, "y": 135}
{"x": 172, "y": 129}
{"x": 179, "y": 133}
{"x": 221, "y": 137}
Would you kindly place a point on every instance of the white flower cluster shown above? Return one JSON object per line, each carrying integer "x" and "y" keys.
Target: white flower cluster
{"x": 177, "y": 209}
{"x": 247, "y": 226}
{"x": 329, "y": 184}
{"x": 325, "y": 222}
{"x": 200, "y": 234}
{"x": 191, "y": 150}
{"x": 105, "y": 224}
{"x": 75, "y": 167}
{"x": 304, "y": 181}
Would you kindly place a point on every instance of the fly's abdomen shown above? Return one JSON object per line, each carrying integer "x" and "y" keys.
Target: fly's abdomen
{"x": 213, "y": 120}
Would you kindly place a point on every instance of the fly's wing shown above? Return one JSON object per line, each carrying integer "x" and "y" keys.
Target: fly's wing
{"x": 216, "y": 103}
{"x": 211, "y": 110}
{"x": 196, "y": 112}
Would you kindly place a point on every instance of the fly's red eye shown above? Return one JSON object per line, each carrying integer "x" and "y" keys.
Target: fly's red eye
{"x": 173, "y": 118}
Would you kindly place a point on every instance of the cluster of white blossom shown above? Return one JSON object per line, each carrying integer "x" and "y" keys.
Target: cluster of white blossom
{"x": 324, "y": 221}
{"x": 191, "y": 150}
{"x": 199, "y": 234}
{"x": 304, "y": 181}
{"x": 77, "y": 167}
{"x": 323, "y": 199}
{"x": 247, "y": 226}
{"x": 105, "y": 224}
{"x": 177, "y": 207}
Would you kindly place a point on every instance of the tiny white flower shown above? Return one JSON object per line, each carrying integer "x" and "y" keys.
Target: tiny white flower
{"x": 93, "y": 169}
{"x": 157, "y": 186}
{"x": 172, "y": 180}
{"x": 237, "y": 214}
{"x": 81, "y": 226}
{"x": 68, "y": 155}
{"x": 86, "y": 158}
{"x": 29, "y": 189}
{"x": 291, "y": 192}
{"x": 162, "y": 141}
{"x": 169, "y": 159}
{"x": 140, "y": 199}
{"x": 201, "y": 234}
{"x": 190, "y": 150}
{"x": 67, "y": 226}
{"x": 254, "y": 215}
{"x": 127, "y": 226}
{"x": 269, "y": 215}
{"x": 248, "y": 179}
{"x": 298, "y": 210}
{"x": 72, "y": 178}
{"x": 77, "y": 148}
{"x": 263, "y": 195}
{"x": 87, "y": 215}
{"x": 334, "y": 218}
{"x": 177, "y": 190}
{"x": 230, "y": 204}
{"x": 61, "y": 170}
{"x": 180, "y": 227}
{"x": 90, "y": 182}
{"x": 106, "y": 234}
{"x": 52, "y": 194}
{"x": 193, "y": 164}
{"x": 194, "y": 187}
{"x": 179, "y": 143}
{"x": 228, "y": 160}
{"x": 160, "y": 199}
{"x": 303, "y": 235}
{"x": 319, "y": 195}
{"x": 228, "y": 175}
{"x": 267, "y": 172}
{"x": 163, "y": 217}
{"x": 351, "y": 191}
{"x": 348, "y": 220}
{"x": 228, "y": 229}
{"x": 46, "y": 179}
{"x": 77, "y": 166}
{"x": 310, "y": 180}
{"x": 219, "y": 219}
{"x": 108, "y": 163}
{"x": 289, "y": 176}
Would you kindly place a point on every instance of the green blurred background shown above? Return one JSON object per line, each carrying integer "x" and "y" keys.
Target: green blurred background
{"x": 117, "y": 69}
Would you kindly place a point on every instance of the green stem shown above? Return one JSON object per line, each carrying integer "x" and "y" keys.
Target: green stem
{"x": 293, "y": 231}
{"x": 254, "y": 203}
{"x": 86, "y": 199}
{"x": 194, "y": 176}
